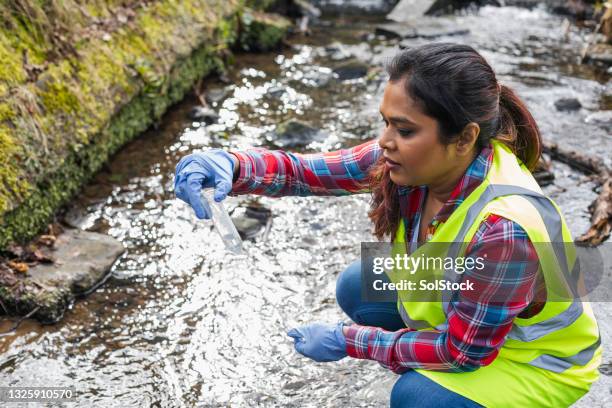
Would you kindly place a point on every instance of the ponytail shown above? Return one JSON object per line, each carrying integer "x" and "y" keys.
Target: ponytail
{"x": 518, "y": 129}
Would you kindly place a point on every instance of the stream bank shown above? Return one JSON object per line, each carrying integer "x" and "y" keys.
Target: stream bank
{"x": 72, "y": 96}
{"x": 80, "y": 81}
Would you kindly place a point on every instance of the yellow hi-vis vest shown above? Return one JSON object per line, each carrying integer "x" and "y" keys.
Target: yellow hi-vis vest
{"x": 548, "y": 360}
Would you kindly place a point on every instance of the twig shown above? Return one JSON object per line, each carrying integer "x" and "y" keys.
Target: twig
{"x": 591, "y": 41}
{"x": 585, "y": 164}
{"x": 199, "y": 94}
{"x": 18, "y": 322}
{"x": 601, "y": 208}
{"x": 601, "y": 218}
{"x": 6, "y": 312}
{"x": 267, "y": 230}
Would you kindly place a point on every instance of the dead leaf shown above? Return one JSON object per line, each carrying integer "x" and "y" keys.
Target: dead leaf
{"x": 18, "y": 266}
{"x": 47, "y": 240}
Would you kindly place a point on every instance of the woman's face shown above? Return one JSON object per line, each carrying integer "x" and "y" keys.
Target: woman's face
{"x": 410, "y": 141}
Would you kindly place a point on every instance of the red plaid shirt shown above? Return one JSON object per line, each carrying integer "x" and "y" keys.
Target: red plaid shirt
{"x": 476, "y": 326}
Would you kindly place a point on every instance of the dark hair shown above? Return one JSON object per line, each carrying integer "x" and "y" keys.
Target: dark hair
{"x": 455, "y": 85}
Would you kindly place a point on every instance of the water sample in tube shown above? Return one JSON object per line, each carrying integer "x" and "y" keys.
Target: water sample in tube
{"x": 222, "y": 222}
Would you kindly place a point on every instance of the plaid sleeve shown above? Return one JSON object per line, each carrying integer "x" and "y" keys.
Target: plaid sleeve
{"x": 280, "y": 173}
{"x": 478, "y": 320}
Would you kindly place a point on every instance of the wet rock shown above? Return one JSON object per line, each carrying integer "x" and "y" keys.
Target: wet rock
{"x": 294, "y": 133}
{"x": 367, "y": 37}
{"x": 352, "y": 69}
{"x": 275, "y": 91}
{"x": 355, "y": 6}
{"x": 449, "y": 6}
{"x": 407, "y": 10}
{"x": 295, "y": 385}
{"x": 252, "y": 220}
{"x": 410, "y": 9}
{"x": 216, "y": 95}
{"x": 247, "y": 227}
{"x": 305, "y": 9}
{"x": 395, "y": 30}
{"x": 434, "y": 32}
{"x": 262, "y": 31}
{"x": 606, "y": 369}
{"x": 337, "y": 51}
{"x": 76, "y": 216}
{"x": 569, "y": 7}
{"x": 259, "y": 212}
{"x": 425, "y": 27}
{"x": 204, "y": 114}
{"x": 568, "y": 104}
{"x": 318, "y": 76}
{"x": 544, "y": 178}
{"x": 82, "y": 259}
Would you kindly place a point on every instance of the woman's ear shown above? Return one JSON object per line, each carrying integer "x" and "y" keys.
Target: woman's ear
{"x": 468, "y": 139}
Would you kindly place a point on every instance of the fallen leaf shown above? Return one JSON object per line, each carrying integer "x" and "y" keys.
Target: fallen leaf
{"x": 18, "y": 266}
{"x": 47, "y": 240}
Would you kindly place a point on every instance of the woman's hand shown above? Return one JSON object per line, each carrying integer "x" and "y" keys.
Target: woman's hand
{"x": 211, "y": 168}
{"x": 320, "y": 342}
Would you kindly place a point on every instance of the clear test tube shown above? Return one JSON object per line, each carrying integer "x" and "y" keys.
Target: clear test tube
{"x": 222, "y": 222}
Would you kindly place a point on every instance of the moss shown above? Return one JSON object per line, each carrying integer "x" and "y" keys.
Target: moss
{"x": 6, "y": 112}
{"x": 11, "y": 70}
{"x": 51, "y": 304}
{"x": 261, "y": 31}
{"x": 79, "y": 166}
{"x": 10, "y": 182}
{"x": 94, "y": 102}
{"x": 260, "y": 4}
{"x": 58, "y": 98}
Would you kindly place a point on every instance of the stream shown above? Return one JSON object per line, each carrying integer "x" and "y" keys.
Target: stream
{"x": 180, "y": 323}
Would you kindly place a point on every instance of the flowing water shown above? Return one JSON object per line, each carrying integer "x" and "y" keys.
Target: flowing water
{"x": 179, "y": 322}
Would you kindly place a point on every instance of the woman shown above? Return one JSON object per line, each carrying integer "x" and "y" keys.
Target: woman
{"x": 451, "y": 165}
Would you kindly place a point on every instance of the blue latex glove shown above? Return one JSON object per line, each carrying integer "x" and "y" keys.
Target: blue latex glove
{"x": 211, "y": 168}
{"x": 320, "y": 342}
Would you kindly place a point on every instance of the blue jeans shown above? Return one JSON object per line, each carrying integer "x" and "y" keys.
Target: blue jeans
{"x": 411, "y": 389}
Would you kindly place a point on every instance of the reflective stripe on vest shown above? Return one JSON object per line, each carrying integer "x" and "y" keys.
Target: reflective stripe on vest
{"x": 560, "y": 364}
{"x": 552, "y": 220}
{"x": 409, "y": 322}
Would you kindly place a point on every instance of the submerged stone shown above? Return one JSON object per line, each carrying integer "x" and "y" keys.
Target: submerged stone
{"x": 568, "y": 104}
{"x": 355, "y": 6}
{"x": 352, "y": 69}
{"x": 337, "y": 51}
{"x": 396, "y": 30}
{"x": 275, "y": 91}
{"x": 246, "y": 226}
{"x": 440, "y": 31}
{"x": 252, "y": 221}
{"x": 204, "y": 114}
{"x": 318, "y": 77}
{"x": 294, "y": 133}
{"x": 216, "y": 95}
